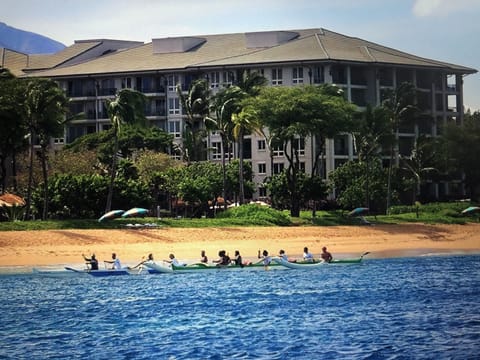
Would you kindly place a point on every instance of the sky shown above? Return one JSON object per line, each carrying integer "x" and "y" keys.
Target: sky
{"x": 445, "y": 30}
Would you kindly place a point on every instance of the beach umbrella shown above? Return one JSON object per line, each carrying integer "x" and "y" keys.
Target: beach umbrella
{"x": 471, "y": 210}
{"x": 135, "y": 212}
{"x": 111, "y": 215}
{"x": 358, "y": 211}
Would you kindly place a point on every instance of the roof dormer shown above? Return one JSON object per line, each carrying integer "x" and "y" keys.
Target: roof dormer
{"x": 268, "y": 38}
{"x": 176, "y": 44}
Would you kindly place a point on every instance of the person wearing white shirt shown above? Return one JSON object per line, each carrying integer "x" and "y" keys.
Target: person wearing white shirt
{"x": 115, "y": 261}
{"x": 307, "y": 256}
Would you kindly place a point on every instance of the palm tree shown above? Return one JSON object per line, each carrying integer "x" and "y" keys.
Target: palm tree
{"x": 244, "y": 122}
{"x": 417, "y": 163}
{"x": 195, "y": 105}
{"x": 249, "y": 85}
{"x": 128, "y": 107}
{"x": 372, "y": 131}
{"x": 399, "y": 107}
{"x": 45, "y": 109}
{"x": 223, "y": 104}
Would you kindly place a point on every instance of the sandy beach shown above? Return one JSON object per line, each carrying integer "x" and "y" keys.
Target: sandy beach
{"x": 62, "y": 247}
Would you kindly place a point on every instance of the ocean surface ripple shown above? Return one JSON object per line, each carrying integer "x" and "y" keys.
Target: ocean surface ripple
{"x": 409, "y": 308}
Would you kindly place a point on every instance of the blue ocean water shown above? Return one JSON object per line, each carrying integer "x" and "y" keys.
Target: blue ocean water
{"x": 408, "y": 308}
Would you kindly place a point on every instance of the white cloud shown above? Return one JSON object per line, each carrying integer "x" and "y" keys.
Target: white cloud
{"x": 423, "y": 8}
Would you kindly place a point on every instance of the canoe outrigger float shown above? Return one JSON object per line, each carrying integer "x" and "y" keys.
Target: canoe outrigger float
{"x": 316, "y": 264}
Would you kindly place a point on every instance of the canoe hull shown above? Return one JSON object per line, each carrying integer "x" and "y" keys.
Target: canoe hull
{"x": 99, "y": 273}
{"x": 164, "y": 268}
{"x": 315, "y": 265}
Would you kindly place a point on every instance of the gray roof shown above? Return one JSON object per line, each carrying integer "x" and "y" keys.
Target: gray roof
{"x": 233, "y": 50}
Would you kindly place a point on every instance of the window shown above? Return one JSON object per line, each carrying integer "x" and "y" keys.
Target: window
{"x": 359, "y": 97}
{"x": 216, "y": 150}
{"x": 174, "y": 106}
{"x": 227, "y": 78}
{"x": 318, "y": 75}
{"x": 297, "y": 77}
{"x": 299, "y": 145}
{"x": 278, "y": 168}
{"x": 172, "y": 81}
{"x": 301, "y": 166}
{"x": 339, "y": 74}
{"x": 277, "y": 76}
{"x": 262, "y": 168}
{"x": 214, "y": 79}
{"x": 126, "y": 83}
{"x": 341, "y": 145}
{"x": 174, "y": 128}
{"x": 261, "y": 145}
{"x": 262, "y": 192}
{"x": 278, "y": 151}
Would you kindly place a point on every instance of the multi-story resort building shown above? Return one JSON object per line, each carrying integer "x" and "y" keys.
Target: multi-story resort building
{"x": 92, "y": 71}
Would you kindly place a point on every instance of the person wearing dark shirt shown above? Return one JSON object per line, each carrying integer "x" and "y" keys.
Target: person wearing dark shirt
{"x": 93, "y": 262}
{"x": 223, "y": 259}
{"x": 238, "y": 258}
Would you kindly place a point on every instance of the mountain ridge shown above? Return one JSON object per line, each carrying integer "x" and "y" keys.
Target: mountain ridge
{"x": 27, "y": 42}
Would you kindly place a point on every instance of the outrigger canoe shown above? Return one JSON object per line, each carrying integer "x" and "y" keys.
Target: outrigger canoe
{"x": 312, "y": 265}
{"x": 169, "y": 268}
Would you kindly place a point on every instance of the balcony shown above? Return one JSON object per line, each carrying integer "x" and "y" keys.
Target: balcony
{"x": 80, "y": 93}
{"x": 156, "y": 112}
{"x": 107, "y": 91}
{"x": 152, "y": 90}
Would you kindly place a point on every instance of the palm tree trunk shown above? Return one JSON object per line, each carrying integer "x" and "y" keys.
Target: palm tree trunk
{"x": 241, "y": 199}
{"x": 45, "y": 182}
{"x": 113, "y": 173}
{"x": 14, "y": 171}
{"x": 224, "y": 172}
{"x": 30, "y": 177}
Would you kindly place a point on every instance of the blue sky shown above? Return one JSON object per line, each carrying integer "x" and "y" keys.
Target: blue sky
{"x": 446, "y": 30}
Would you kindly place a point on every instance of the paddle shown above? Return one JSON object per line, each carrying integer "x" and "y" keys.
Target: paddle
{"x": 364, "y": 254}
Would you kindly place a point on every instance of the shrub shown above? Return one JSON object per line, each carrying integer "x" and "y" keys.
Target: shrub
{"x": 257, "y": 214}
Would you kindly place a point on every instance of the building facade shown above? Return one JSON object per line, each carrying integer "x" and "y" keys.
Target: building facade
{"x": 92, "y": 71}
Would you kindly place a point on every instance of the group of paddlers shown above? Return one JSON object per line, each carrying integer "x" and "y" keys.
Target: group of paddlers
{"x": 223, "y": 259}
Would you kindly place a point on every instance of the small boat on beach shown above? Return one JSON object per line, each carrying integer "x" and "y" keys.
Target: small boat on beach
{"x": 316, "y": 264}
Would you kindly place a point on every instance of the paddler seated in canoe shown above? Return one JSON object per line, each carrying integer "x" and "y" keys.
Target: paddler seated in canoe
{"x": 173, "y": 260}
{"x": 307, "y": 256}
{"x": 116, "y": 265}
{"x": 149, "y": 259}
{"x": 282, "y": 255}
{"x": 326, "y": 256}
{"x": 266, "y": 258}
{"x": 203, "y": 257}
{"x": 93, "y": 262}
{"x": 223, "y": 259}
{"x": 237, "y": 260}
